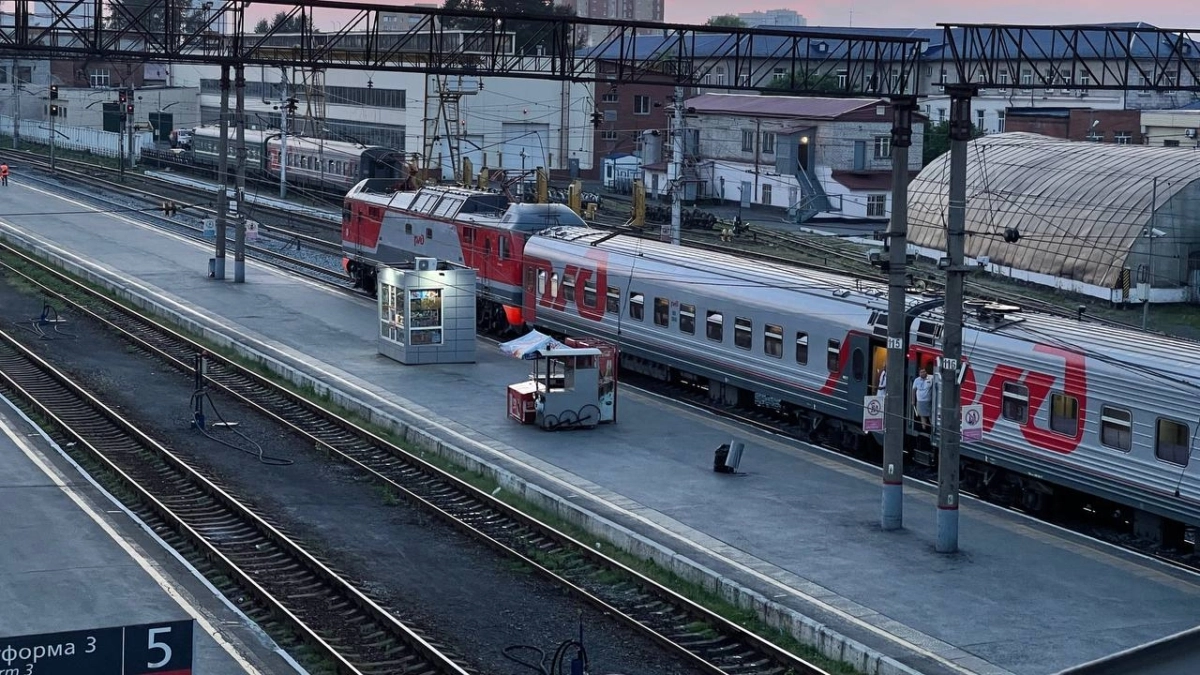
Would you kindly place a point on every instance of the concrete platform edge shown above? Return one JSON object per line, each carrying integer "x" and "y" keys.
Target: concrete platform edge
{"x": 803, "y": 628}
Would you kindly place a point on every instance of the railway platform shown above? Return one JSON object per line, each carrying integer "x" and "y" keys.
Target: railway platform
{"x": 75, "y": 560}
{"x": 795, "y": 534}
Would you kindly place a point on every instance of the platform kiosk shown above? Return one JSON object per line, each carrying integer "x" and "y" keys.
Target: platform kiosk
{"x": 427, "y": 312}
{"x": 563, "y": 391}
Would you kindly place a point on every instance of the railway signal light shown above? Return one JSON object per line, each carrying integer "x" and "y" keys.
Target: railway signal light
{"x": 129, "y": 109}
{"x": 597, "y": 118}
{"x": 122, "y": 97}
{"x": 54, "y": 110}
{"x": 54, "y": 92}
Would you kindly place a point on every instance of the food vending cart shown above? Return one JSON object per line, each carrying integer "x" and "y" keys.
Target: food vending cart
{"x": 564, "y": 391}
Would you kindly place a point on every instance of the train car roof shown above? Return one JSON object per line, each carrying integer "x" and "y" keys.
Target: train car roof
{"x": 490, "y": 209}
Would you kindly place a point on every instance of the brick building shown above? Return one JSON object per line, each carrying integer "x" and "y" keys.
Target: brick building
{"x": 1123, "y": 127}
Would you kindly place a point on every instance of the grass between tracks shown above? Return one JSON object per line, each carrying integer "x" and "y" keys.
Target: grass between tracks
{"x": 695, "y": 592}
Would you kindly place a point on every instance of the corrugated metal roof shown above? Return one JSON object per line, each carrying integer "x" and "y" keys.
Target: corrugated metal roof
{"x": 780, "y": 106}
{"x": 1079, "y": 206}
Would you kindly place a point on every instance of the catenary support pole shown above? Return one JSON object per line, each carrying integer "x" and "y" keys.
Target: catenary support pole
{"x": 239, "y": 120}
{"x": 892, "y": 517}
{"x": 285, "y": 112}
{"x": 675, "y": 178}
{"x": 950, "y": 425}
{"x": 1149, "y": 255}
{"x": 222, "y": 174}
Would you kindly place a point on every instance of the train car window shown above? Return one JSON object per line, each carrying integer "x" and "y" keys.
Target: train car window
{"x": 468, "y": 235}
{"x": 637, "y": 306}
{"x": 568, "y": 287}
{"x": 503, "y": 247}
{"x": 1016, "y": 403}
{"x": 687, "y": 319}
{"x": 1171, "y": 442}
{"x": 743, "y": 336}
{"x": 662, "y": 312}
{"x": 408, "y": 228}
{"x": 589, "y": 292}
{"x": 831, "y": 355}
{"x": 429, "y": 233}
{"x": 928, "y": 332}
{"x": 554, "y": 285}
{"x": 1064, "y": 414}
{"x": 858, "y": 365}
{"x": 1116, "y": 428}
{"x": 612, "y": 303}
{"x": 802, "y": 348}
{"x": 541, "y": 282}
{"x": 714, "y": 326}
{"x": 773, "y": 341}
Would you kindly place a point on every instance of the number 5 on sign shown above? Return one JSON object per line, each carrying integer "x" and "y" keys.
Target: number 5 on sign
{"x": 159, "y": 649}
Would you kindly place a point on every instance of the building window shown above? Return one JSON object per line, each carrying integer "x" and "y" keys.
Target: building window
{"x": 687, "y": 319}
{"x": 883, "y": 147}
{"x": 999, "y": 121}
{"x": 1170, "y": 144}
{"x": 1123, "y": 138}
{"x": 981, "y": 119}
{"x": 1026, "y": 78}
{"x": 802, "y": 348}
{"x": 876, "y": 206}
{"x": 641, "y": 105}
{"x": 1015, "y": 405}
{"x": 768, "y": 142}
{"x": 1116, "y": 428}
{"x": 941, "y": 114}
{"x": 99, "y": 79}
{"x": 1171, "y": 442}
{"x": 608, "y": 135}
{"x": 1003, "y": 81}
{"x": 766, "y": 194}
{"x": 1064, "y": 414}
{"x": 1094, "y": 136}
{"x": 747, "y": 140}
{"x": 610, "y": 97}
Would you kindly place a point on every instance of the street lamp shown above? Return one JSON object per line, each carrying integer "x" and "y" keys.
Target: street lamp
{"x": 523, "y": 175}
{"x": 1147, "y": 277}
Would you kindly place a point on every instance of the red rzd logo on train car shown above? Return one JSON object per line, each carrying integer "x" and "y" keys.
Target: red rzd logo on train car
{"x": 555, "y": 297}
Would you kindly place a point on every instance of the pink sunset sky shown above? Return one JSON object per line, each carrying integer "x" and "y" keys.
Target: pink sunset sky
{"x": 927, "y": 13}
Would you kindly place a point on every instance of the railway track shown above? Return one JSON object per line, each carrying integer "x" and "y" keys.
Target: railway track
{"x": 700, "y": 637}
{"x": 287, "y": 584}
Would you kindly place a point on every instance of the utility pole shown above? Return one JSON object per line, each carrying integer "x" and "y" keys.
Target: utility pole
{"x": 894, "y": 413}
{"x": 950, "y": 427}
{"x": 286, "y": 110}
{"x": 239, "y": 119}
{"x": 129, "y": 129}
{"x": 1149, "y": 280}
{"x": 675, "y": 170}
{"x": 16, "y": 90}
{"x": 222, "y": 175}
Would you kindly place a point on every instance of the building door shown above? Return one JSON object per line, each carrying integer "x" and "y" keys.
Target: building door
{"x": 766, "y": 194}
{"x": 860, "y": 155}
{"x": 802, "y": 156}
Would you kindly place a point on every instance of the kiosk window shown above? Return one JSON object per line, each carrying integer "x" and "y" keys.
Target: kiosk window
{"x": 714, "y": 328}
{"x": 687, "y": 319}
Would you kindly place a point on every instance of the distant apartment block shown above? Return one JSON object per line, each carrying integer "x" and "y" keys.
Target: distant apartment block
{"x": 403, "y": 21}
{"x": 630, "y": 10}
{"x": 773, "y": 17}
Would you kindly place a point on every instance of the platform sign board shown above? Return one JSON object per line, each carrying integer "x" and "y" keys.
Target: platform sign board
{"x": 972, "y": 422}
{"x": 872, "y": 413}
{"x": 147, "y": 649}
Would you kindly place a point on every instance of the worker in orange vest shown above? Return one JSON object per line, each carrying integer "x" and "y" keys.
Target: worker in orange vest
{"x": 4, "y": 173}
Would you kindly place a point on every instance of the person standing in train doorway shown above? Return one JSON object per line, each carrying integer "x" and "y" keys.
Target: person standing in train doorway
{"x": 3, "y": 173}
{"x": 923, "y": 398}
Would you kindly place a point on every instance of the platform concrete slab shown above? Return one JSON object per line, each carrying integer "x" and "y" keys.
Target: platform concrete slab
{"x": 72, "y": 560}
{"x": 799, "y": 529}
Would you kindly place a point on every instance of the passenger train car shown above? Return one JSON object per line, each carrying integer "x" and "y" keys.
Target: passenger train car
{"x": 331, "y": 165}
{"x": 1074, "y": 411}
